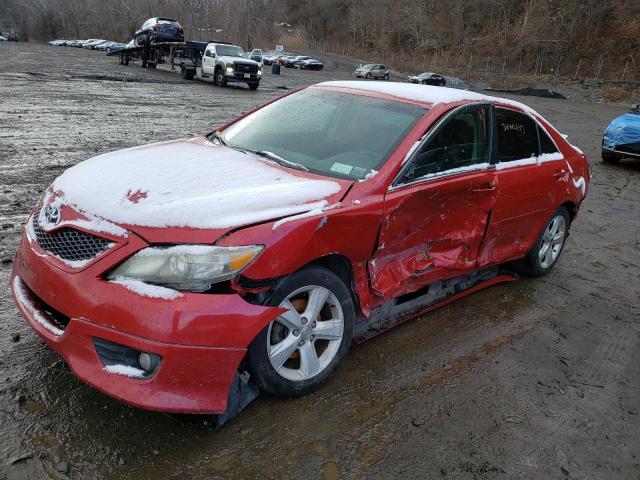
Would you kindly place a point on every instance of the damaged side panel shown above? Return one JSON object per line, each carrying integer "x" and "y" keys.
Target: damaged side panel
{"x": 431, "y": 231}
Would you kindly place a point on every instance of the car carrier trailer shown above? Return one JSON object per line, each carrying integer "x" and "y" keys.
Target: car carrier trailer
{"x": 200, "y": 59}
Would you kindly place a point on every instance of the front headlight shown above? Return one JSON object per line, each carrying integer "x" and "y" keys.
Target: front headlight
{"x": 259, "y": 72}
{"x": 192, "y": 268}
{"x": 229, "y": 67}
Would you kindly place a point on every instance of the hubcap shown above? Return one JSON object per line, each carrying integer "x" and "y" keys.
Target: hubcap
{"x": 552, "y": 241}
{"x": 304, "y": 340}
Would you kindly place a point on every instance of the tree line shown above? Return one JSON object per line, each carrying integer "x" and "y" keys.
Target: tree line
{"x": 584, "y": 38}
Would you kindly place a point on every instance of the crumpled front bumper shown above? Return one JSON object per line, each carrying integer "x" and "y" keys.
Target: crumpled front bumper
{"x": 201, "y": 338}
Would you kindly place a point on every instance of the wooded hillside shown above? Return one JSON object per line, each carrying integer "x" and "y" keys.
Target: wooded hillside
{"x": 584, "y": 38}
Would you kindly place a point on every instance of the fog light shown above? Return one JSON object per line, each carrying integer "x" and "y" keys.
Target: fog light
{"x": 145, "y": 361}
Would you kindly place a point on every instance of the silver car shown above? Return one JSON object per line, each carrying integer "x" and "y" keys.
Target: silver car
{"x": 372, "y": 70}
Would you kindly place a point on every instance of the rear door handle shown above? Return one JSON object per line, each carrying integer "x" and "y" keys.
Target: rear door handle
{"x": 560, "y": 174}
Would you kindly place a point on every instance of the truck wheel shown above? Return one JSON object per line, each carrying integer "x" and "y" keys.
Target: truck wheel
{"x": 125, "y": 60}
{"x": 253, "y": 86}
{"x": 186, "y": 73}
{"x": 219, "y": 78}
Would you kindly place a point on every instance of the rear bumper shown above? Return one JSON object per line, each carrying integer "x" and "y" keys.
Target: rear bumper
{"x": 201, "y": 338}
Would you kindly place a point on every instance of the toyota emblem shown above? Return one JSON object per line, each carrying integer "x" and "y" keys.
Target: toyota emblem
{"x": 52, "y": 214}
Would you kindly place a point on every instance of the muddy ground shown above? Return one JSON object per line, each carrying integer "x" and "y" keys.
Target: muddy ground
{"x": 531, "y": 379}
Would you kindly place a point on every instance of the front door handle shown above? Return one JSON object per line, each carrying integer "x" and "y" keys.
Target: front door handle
{"x": 484, "y": 187}
{"x": 560, "y": 174}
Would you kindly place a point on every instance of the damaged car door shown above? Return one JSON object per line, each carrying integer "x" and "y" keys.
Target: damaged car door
{"x": 437, "y": 209}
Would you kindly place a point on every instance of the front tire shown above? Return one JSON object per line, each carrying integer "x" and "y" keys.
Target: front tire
{"x": 367, "y": 76}
{"x": 545, "y": 253}
{"x": 297, "y": 352}
{"x": 253, "y": 86}
{"x": 608, "y": 157}
{"x": 220, "y": 78}
{"x": 386, "y": 76}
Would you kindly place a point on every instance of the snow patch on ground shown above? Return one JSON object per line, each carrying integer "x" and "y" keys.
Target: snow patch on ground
{"x": 125, "y": 370}
{"x": 147, "y": 290}
{"x": 23, "y": 297}
{"x": 188, "y": 183}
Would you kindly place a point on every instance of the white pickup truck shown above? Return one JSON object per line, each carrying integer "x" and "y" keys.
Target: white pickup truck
{"x": 229, "y": 63}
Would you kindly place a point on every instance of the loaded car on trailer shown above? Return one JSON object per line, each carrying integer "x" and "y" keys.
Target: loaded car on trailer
{"x": 183, "y": 276}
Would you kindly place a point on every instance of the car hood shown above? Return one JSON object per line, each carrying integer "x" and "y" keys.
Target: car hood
{"x": 189, "y": 184}
{"x": 228, "y": 59}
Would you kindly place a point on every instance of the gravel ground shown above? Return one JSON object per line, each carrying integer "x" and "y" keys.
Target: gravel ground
{"x": 531, "y": 379}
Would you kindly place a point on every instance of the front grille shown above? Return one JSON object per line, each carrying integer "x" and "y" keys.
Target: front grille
{"x": 69, "y": 243}
{"x": 245, "y": 68}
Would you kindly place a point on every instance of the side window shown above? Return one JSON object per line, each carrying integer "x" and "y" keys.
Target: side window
{"x": 546, "y": 144}
{"x": 517, "y": 135}
{"x": 461, "y": 141}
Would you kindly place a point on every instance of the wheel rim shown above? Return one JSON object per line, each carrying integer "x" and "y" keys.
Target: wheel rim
{"x": 552, "y": 241}
{"x": 303, "y": 341}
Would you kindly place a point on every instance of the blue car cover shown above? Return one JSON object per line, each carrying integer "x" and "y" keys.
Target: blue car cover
{"x": 623, "y": 130}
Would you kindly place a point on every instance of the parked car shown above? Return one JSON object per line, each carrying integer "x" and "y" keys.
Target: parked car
{"x": 57, "y": 43}
{"x": 288, "y": 60}
{"x": 159, "y": 29}
{"x": 74, "y": 43}
{"x": 256, "y": 55}
{"x": 182, "y": 276}
{"x": 622, "y": 137}
{"x": 269, "y": 58}
{"x": 104, "y": 45}
{"x": 91, "y": 44}
{"x": 115, "y": 46}
{"x": 372, "y": 70}
{"x": 3, "y": 39}
{"x": 309, "y": 64}
{"x": 428, "y": 78}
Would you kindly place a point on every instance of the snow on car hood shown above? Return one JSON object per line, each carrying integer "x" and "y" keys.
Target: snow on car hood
{"x": 188, "y": 183}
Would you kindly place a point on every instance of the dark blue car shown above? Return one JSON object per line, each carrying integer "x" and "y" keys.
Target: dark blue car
{"x": 622, "y": 137}
{"x": 159, "y": 29}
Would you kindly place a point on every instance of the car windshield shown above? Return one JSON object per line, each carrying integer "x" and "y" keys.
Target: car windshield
{"x": 335, "y": 134}
{"x": 370, "y": 65}
{"x": 425, "y": 75}
{"x": 230, "y": 51}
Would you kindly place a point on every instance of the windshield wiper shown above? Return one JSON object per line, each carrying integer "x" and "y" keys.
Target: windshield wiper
{"x": 218, "y": 137}
{"x": 280, "y": 160}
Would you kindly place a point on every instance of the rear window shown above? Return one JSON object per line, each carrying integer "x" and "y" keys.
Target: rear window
{"x": 517, "y": 135}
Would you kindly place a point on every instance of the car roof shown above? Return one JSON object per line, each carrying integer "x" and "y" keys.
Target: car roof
{"x": 421, "y": 94}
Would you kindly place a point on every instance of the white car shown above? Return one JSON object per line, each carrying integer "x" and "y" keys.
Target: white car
{"x": 3, "y": 39}
{"x": 57, "y": 43}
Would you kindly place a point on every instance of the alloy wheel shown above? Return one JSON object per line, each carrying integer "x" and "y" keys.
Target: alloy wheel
{"x": 304, "y": 340}
{"x": 552, "y": 241}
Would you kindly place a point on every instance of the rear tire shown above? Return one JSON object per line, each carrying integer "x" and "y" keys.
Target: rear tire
{"x": 546, "y": 251}
{"x": 386, "y": 76}
{"x": 294, "y": 355}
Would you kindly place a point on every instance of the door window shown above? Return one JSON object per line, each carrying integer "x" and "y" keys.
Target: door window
{"x": 517, "y": 135}
{"x": 461, "y": 141}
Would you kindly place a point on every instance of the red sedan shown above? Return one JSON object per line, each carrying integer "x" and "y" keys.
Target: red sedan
{"x": 187, "y": 275}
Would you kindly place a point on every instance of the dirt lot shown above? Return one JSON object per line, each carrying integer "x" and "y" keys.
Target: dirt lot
{"x": 532, "y": 379}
